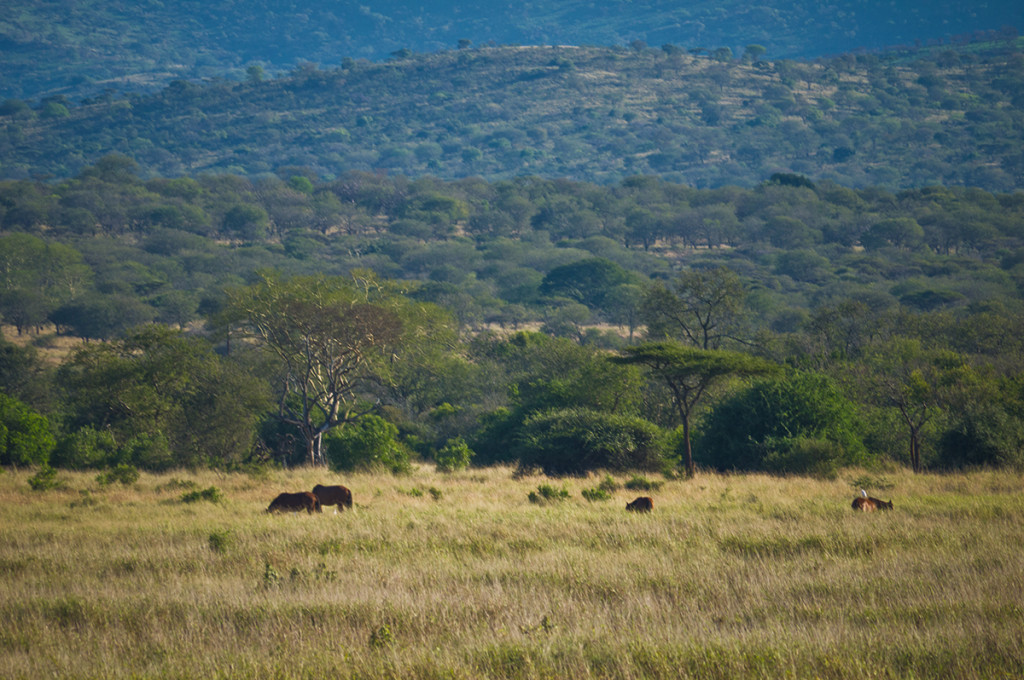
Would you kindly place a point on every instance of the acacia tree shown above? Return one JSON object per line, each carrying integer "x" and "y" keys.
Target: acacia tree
{"x": 699, "y": 307}
{"x": 901, "y": 374}
{"x": 689, "y": 373}
{"x": 332, "y": 337}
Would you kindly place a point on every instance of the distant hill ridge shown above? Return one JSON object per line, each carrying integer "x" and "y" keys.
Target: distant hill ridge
{"x": 943, "y": 116}
{"x": 52, "y": 47}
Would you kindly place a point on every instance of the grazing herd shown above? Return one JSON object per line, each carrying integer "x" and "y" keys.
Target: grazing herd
{"x": 312, "y": 501}
{"x": 341, "y": 497}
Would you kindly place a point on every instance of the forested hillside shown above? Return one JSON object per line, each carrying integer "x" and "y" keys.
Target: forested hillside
{"x": 54, "y": 47}
{"x": 949, "y": 116}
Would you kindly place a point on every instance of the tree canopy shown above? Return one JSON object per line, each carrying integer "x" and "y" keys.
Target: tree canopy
{"x": 689, "y": 374}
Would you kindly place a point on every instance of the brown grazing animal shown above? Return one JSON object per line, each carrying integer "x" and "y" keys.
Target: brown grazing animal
{"x": 641, "y": 504}
{"x": 869, "y": 504}
{"x": 295, "y": 502}
{"x": 333, "y": 495}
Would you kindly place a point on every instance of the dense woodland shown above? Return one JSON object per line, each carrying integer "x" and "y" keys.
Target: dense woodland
{"x": 794, "y": 326}
{"x": 948, "y": 115}
{"x": 51, "y": 47}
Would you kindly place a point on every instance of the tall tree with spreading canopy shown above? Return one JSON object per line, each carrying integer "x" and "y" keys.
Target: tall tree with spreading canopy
{"x": 689, "y": 374}
{"x": 332, "y": 337}
{"x": 902, "y": 374}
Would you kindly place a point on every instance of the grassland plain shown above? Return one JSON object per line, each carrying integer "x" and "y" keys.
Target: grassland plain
{"x": 461, "y": 576}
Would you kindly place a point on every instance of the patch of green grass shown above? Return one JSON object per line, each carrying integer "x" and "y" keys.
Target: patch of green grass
{"x": 125, "y": 474}
{"x": 220, "y": 540}
{"x": 211, "y": 494}
{"x": 546, "y": 493}
{"x": 596, "y": 494}
{"x": 45, "y": 479}
{"x": 640, "y": 483}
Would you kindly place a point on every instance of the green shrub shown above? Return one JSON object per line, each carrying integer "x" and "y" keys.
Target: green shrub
{"x": 45, "y": 479}
{"x": 270, "y": 576}
{"x": 175, "y": 484}
{"x": 638, "y": 483}
{"x": 802, "y": 455}
{"x": 575, "y": 441}
{"x": 596, "y": 494}
{"x": 370, "y": 442}
{"x": 85, "y": 448}
{"x": 86, "y": 500}
{"x": 124, "y": 473}
{"x": 220, "y": 541}
{"x": 546, "y": 493}
{"x": 982, "y": 434}
{"x": 148, "y": 451}
{"x": 800, "y": 423}
{"x": 381, "y": 637}
{"x": 25, "y": 436}
{"x": 455, "y": 455}
{"x": 211, "y": 494}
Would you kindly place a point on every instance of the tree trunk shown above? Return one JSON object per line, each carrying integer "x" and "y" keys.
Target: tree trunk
{"x": 690, "y": 471}
{"x": 915, "y": 450}
{"x": 310, "y": 449}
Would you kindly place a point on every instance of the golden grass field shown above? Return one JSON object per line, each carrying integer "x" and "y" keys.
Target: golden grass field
{"x": 461, "y": 576}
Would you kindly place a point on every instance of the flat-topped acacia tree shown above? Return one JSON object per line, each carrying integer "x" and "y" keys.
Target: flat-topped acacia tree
{"x": 689, "y": 373}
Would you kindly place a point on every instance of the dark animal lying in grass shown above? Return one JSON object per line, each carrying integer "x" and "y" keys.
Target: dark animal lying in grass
{"x": 641, "y": 504}
{"x": 869, "y": 504}
{"x": 333, "y": 495}
{"x": 295, "y": 502}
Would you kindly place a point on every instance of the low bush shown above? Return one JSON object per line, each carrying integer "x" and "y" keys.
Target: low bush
{"x": 25, "y": 436}
{"x": 801, "y": 423}
{"x": 575, "y": 441}
{"x": 370, "y": 442}
{"x": 546, "y": 493}
{"x": 211, "y": 494}
{"x": 85, "y": 448}
{"x": 220, "y": 540}
{"x": 455, "y": 455}
{"x": 124, "y": 473}
{"x": 596, "y": 494}
{"x": 638, "y": 483}
{"x": 45, "y": 479}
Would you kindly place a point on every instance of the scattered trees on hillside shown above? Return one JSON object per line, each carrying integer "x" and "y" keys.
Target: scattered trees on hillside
{"x": 895, "y": 119}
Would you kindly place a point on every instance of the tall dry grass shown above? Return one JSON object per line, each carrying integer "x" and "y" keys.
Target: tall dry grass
{"x": 460, "y": 576}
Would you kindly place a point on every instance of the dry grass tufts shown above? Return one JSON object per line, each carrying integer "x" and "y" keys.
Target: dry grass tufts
{"x": 730, "y": 576}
